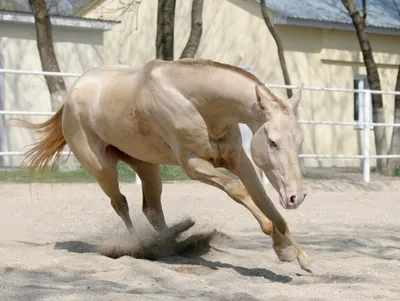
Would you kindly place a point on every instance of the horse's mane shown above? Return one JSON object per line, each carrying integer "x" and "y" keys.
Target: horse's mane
{"x": 210, "y": 63}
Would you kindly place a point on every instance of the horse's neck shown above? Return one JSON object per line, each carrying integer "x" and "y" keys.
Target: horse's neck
{"x": 222, "y": 92}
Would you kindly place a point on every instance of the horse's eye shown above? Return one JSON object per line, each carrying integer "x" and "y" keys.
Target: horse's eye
{"x": 272, "y": 143}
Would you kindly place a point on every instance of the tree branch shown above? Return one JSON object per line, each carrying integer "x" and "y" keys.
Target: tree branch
{"x": 397, "y": 7}
{"x": 279, "y": 45}
{"x": 165, "y": 30}
{"x": 364, "y": 7}
{"x": 44, "y": 36}
{"x": 196, "y": 30}
{"x": 373, "y": 80}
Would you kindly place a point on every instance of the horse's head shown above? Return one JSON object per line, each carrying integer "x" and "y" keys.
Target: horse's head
{"x": 276, "y": 144}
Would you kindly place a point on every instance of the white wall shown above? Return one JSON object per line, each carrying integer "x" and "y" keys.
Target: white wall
{"x": 77, "y": 50}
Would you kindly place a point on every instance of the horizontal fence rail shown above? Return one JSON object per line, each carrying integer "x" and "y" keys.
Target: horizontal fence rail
{"x": 365, "y": 125}
{"x": 33, "y": 72}
{"x": 328, "y": 89}
{"x": 332, "y": 89}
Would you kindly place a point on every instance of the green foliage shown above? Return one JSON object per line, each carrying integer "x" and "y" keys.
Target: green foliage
{"x": 8, "y": 6}
{"x": 125, "y": 173}
{"x": 173, "y": 173}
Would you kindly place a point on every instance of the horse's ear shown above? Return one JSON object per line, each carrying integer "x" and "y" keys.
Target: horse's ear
{"x": 267, "y": 100}
{"x": 261, "y": 98}
{"x": 295, "y": 99}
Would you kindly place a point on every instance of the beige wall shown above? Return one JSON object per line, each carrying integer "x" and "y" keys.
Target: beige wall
{"x": 76, "y": 49}
{"x": 234, "y": 32}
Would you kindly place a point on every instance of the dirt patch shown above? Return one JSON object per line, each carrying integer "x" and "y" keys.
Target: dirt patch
{"x": 152, "y": 246}
{"x": 52, "y": 237}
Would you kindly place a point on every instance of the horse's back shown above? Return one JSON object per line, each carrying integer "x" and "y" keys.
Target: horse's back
{"x": 99, "y": 84}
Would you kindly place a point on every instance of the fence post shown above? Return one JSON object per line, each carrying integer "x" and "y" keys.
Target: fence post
{"x": 367, "y": 124}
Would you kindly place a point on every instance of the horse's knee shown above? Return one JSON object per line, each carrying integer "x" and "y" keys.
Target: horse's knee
{"x": 236, "y": 191}
{"x": 196, "y": 168}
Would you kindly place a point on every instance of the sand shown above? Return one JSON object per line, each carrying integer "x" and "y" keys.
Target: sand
{"x": 52, "y": 237}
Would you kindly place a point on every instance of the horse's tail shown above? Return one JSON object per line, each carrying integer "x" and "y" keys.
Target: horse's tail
{"x": 49, "y": 146}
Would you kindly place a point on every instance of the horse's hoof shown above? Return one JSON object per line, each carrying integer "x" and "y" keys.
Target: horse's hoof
{"x": 287, "y": 254}
{"x": 308, "y": 265}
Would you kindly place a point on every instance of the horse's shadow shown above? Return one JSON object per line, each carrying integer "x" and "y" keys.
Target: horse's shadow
{"x": 76, "y": 246}
{"x": 188, "y": 252}
{"x": 197, "y": 260}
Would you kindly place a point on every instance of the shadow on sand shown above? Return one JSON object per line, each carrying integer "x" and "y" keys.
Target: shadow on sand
{"x": 167, "y": 248}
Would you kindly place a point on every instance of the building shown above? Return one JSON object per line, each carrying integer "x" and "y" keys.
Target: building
{"x": 78, "y": 45}
{"x": 321, "y": 49}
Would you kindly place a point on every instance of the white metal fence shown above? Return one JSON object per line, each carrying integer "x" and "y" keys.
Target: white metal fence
{"x": 366, "y": 124}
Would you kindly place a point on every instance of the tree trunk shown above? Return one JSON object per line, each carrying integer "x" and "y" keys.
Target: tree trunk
{"x": 279, "y": 45}
{"x": 44, "y": 35}
{"x": 373, "y": 80}
{"x": 165, "y": 30}
{"x": 55, "y": 84}
{"x": 394, "y": 163}
{"x": 196, "y": 30}
{"x": 282, "y": 61}
{"x": 364, "y": 9}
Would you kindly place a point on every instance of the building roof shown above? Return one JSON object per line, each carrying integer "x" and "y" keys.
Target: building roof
{"x": 383, "y": 14}
{"x": 57, "y": 20}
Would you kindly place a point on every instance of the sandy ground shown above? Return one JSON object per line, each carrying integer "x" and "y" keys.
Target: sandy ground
{"x": 50, "y": 236}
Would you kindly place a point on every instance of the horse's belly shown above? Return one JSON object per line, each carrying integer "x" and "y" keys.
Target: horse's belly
{"x": 150, "y": 148}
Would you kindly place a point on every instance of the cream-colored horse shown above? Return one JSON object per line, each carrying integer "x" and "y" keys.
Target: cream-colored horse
{"x": 182, "y": 113}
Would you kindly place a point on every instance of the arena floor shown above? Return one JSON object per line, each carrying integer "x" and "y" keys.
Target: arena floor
{"x": 48, "y": 231}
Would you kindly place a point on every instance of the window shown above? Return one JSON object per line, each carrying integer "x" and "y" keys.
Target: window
{"x": 360, "y": 82}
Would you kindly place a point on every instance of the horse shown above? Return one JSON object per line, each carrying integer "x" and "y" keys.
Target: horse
{"x": 185, "y": 113}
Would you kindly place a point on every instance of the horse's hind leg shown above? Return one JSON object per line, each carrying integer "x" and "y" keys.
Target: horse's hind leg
{"x": 150, "y": 175}
{"x": 101, "y": 162}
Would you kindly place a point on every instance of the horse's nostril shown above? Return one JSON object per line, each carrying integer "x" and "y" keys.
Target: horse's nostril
{"x": 293, "y": 199}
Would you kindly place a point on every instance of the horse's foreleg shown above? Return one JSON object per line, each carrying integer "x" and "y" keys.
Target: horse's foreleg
{"x": 246, "y": 171}
{"x": 202, "y": 170}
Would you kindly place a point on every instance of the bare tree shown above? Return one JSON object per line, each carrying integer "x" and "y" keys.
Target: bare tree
{"x": 196, "y": 30}
{"x": 279, "y": 45}
{"x": 165, "y": 30}
{"x": 394, "y": 163}
{"x": 55, "y": 84}
{"x": 373, "y": 79}
{"x": 397, "y": 7}
{"x": 44, "y": 35}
